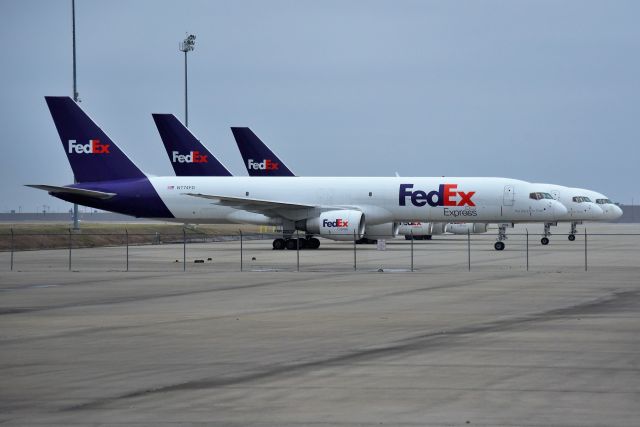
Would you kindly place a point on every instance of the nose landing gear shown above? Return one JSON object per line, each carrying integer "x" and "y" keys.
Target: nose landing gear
{"x": 572, "y": 233}
{"x": 502, "y": 235}
{"x": 547, "y": 233}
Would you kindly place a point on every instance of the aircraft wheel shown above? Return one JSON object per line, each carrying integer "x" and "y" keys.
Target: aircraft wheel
{"x": 313, "y": 243}
{"x": 407, "y": 237}
{"x": 278, "y": 244}
{"x": 499, "y": 246}
{"x": 291, "y": 244}
{"x": 544, "y": 241}
{"x": 302, "y": 242}
{"x": 572, "y": 237}
{"x": 428, "y": 237}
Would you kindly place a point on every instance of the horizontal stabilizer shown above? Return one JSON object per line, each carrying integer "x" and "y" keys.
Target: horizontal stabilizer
{"x": 74, "y": 191}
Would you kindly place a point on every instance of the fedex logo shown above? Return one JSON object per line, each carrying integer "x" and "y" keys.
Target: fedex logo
{"x": 192, "y": 157}
{"x": 93, "y": 147}
{"x": 268, "y": 165}
{"x": 338, "y": 223}
{"x": 446, "y": 195}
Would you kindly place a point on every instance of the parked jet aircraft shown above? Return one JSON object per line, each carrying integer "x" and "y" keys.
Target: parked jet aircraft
{"x": 339, "y": 208}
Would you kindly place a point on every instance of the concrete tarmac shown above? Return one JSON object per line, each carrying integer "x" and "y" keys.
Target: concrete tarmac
{"x": 327, "y": 347}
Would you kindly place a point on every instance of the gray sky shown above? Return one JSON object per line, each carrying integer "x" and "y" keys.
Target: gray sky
{"x": 544, "y": 91}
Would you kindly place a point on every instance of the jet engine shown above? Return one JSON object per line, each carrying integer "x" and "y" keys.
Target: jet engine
{"x": 465, "y": 228}
{"x": 335, "y": 225}
{"x": 387, "y": 230}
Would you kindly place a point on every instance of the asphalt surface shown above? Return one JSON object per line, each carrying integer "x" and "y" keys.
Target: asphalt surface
{"x": 326, "y": 346}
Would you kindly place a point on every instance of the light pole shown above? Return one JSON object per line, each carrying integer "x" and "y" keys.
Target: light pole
{"x": 185, "y": 46}
{"x": 76, "y": 223}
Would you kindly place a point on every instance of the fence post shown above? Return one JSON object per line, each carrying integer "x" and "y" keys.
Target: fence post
{"x": 298, "y": 250}
{"x": 411, "y": 250}
{"x": 12, "y": 248}
{"x": 354, "y": 251}
{"x": 70, "y": 245}
{"x": 240, "y": 250}
{"x": 184, "y": 249}
{"x": 126, "y": 239}
{"x": 585, "y": 249}
{"x": 527, "y": 230}
{"x": 469, "y": 248}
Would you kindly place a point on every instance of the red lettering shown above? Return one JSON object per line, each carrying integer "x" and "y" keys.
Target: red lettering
{"x": 465, "y": 198}
{"x": 448, "y": 194}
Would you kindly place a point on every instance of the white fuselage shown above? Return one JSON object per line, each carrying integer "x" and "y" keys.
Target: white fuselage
{"x": 381, "y": 199}
{"x": 576, "y": 211}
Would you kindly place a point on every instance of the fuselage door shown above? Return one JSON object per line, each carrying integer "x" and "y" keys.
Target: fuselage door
{"x": 509, "y": 195}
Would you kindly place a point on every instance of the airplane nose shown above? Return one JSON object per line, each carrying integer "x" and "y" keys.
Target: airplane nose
{"x": 617, "y": 212}
{"x": 559, "y": 210}
{"x": 595, "y": 212}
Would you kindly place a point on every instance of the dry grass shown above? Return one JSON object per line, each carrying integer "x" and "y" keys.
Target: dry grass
{"x": 33, "y": 236}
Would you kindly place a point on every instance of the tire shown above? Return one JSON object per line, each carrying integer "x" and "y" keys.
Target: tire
{"x": 302, "y": 242}
{"x": 313, "y": 243}
{"x": 291, "y": 244}
{"x": 572, "y": 237}
{"x": 278, "y": 244}
{"x": 499, "y": 246}
{"x": 544, "y": 241}
{"x": 428, "y": 237}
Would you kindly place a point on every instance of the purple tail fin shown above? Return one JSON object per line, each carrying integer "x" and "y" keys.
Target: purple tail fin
{"x": 258, "y": 158}
{"x": 92, "y": 154}
{"x": 186, "y": 154}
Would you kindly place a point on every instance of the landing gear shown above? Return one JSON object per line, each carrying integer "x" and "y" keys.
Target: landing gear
{"x": 278, "y": 244}
{"x": 502, "y": 235}
{"x": 313, "y": 243}
{"x": 418, "y": 237}
{"x": 547, "y": 233}
{"x": 366, "y": 241}
{"x": 572, "y": 233}
{"x": 293, "y": 243}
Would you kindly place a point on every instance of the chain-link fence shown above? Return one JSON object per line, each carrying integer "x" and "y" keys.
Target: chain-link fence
{"x": 193, "y": 250}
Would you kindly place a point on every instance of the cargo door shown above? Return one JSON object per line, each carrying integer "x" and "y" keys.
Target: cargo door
{"x": 509, "y": 195}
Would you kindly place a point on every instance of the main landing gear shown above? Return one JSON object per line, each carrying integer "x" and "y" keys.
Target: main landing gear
{"x": 292, "y": 243}
{"x": 572, "y": 233}
{"x": 418, "y": 237}
{"x": 502, "y": 235}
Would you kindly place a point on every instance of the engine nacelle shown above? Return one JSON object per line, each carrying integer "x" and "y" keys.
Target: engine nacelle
{"x": 416, "y": 228}
{"x": 466, "y": 228}
{"x": 336, "y": 225}
{"x": 388, "y": 230}
{"x": 437, "y": 227}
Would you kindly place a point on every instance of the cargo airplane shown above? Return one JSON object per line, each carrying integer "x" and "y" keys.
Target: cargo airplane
{"x": 338, "y": 208}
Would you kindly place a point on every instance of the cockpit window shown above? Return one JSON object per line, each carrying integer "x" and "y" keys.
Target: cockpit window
{"x": 539, "y": 196}
{"x": 581, "y": 199}
{"x": 604, "y": 202}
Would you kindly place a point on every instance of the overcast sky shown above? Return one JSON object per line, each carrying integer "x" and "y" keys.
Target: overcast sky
{"x": 545, "y": 91}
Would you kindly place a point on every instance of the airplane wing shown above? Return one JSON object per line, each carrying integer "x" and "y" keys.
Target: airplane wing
{"x": 250, "y": 204}
{"x": 266, "y": 207}
{"x": 73, "y": 191}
